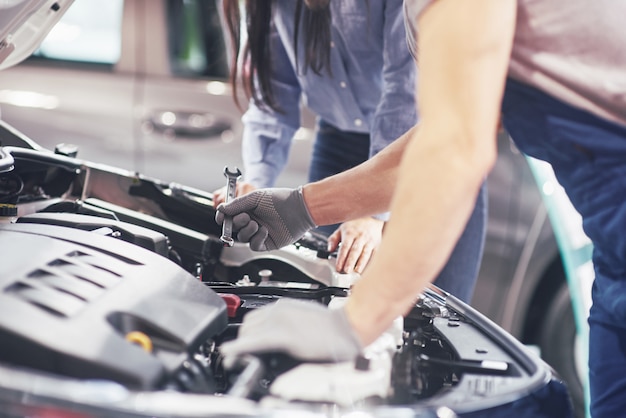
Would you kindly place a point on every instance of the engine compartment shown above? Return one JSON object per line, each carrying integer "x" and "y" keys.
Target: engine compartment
{"x": 119, "y": 282}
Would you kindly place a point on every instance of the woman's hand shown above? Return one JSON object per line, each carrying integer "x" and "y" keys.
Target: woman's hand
{"x": 219, "y": 196}
{"x": 359, "y": 240}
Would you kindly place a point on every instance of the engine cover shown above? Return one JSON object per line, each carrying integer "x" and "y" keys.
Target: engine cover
{"x": 78, "y": 303}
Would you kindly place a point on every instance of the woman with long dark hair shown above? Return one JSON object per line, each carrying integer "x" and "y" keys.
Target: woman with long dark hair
{"x": 348, "y": 61}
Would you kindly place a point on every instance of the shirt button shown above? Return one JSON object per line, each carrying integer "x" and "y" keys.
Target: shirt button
{"x": 343, "y": 84}
{"x": 332, "y": 44}
{"x": 358, "y": 122}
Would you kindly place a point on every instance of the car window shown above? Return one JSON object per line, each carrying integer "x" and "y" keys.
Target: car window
{"x": 196, "y": 39}
{"x": 90, "y": 31}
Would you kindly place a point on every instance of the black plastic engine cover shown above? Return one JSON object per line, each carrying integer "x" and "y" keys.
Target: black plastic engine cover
{"x": 69, "y": 298}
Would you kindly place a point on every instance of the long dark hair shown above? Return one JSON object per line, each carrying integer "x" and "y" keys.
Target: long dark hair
{"x": 255, "y": 55}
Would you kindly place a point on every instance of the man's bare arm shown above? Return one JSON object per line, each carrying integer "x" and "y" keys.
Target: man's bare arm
{"x": 464, "y": 49}
{"x": 364, "y": 190}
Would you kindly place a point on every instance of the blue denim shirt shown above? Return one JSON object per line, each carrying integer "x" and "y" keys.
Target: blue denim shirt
{"x": 372, "y": 88}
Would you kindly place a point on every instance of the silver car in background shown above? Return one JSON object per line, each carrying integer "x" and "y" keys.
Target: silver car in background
{"x": 150, "y": 97}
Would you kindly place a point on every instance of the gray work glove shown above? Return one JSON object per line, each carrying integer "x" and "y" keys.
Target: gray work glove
{"x": 303, "y": 329}
{"x": 268, "y": 218}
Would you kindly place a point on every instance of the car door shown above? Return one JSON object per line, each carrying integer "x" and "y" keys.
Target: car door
{"x": 190, "y": 125}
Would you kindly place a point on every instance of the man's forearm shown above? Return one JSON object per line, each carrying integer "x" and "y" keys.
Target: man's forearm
{"x": 364, "y": 190}
{"x": 432, "y": 204}
{"x": 464, "y": 49}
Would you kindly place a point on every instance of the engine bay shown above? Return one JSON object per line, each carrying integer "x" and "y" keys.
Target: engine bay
{"x": 119, "y": 284}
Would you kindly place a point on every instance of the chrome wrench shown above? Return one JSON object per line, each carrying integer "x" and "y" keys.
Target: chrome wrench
{"x": 231, "y": 190}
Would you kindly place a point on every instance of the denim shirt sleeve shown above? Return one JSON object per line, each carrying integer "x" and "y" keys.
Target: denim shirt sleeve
{"x": 267, "y": 134}
{"x": 396, "y": 113}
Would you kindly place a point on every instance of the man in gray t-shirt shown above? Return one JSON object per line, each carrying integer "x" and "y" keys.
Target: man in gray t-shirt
{"x": 565, "y": 102}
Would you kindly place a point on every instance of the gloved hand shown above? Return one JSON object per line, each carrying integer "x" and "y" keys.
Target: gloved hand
{"x": 219, "y": 195}
{"x": 268, "y": 218}
{"x": 303, "y": 329}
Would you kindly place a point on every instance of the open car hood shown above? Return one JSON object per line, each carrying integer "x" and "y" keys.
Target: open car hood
{"x": 116, "y": 295}
{"x": 24, "y": 24}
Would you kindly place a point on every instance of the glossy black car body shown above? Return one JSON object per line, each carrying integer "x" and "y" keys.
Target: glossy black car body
{"x": 116, "y": 294}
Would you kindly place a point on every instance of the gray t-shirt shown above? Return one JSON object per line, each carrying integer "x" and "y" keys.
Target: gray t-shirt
{"x": 574, "y": 50}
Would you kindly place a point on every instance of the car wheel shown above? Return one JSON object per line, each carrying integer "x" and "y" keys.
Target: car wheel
{"x": 561, "y": 348}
